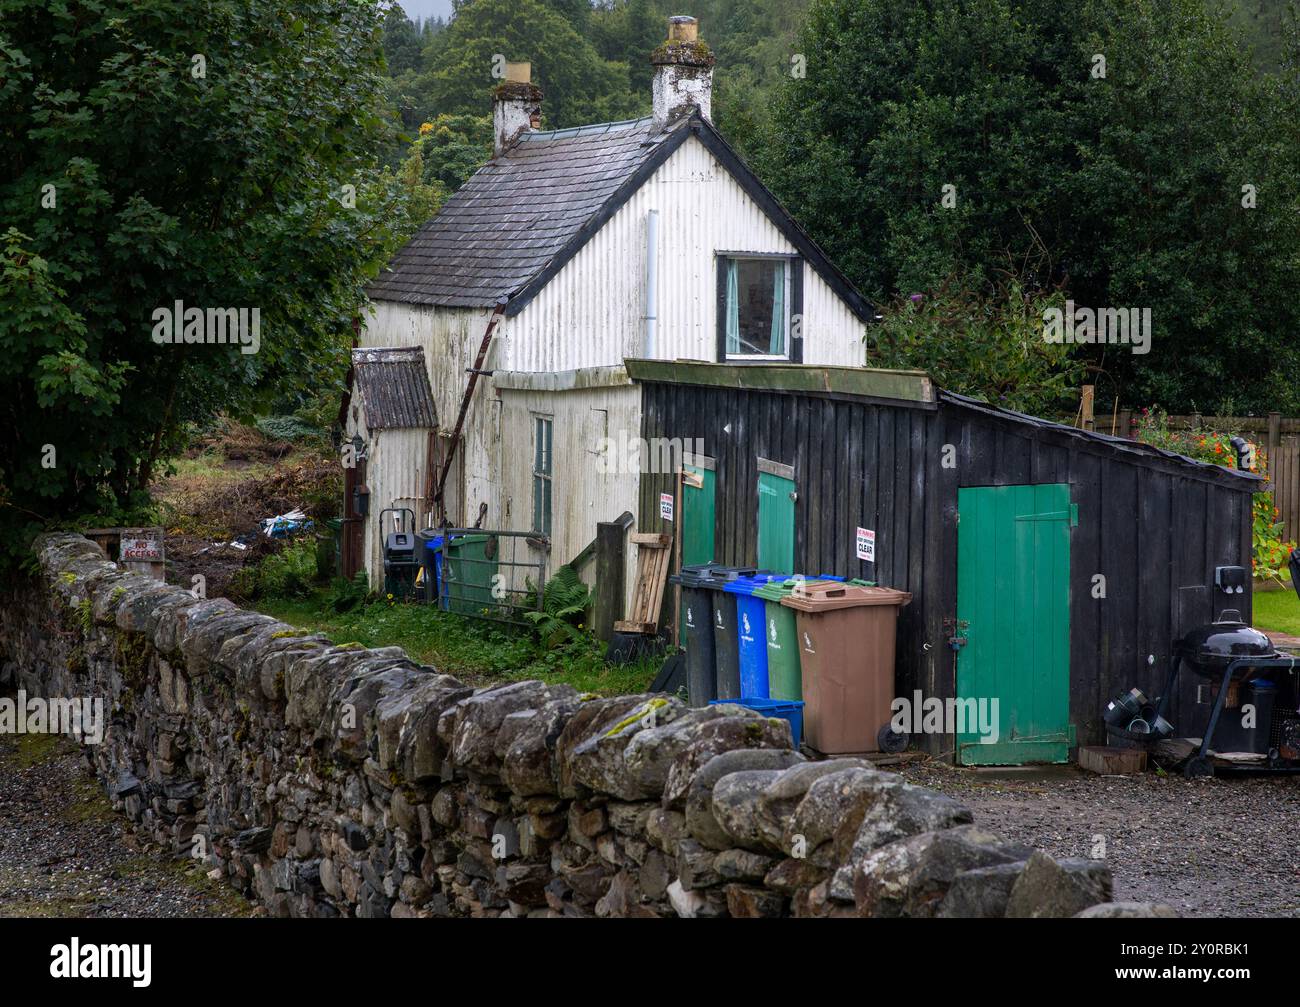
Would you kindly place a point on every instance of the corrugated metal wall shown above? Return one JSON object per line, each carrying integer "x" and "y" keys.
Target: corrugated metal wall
{"x": 395, "y": 471}
{"x": 1155, "y": 530}
{"x": 590, "y": 314}
{"x": 582, "y": 495}
{"x": 451, "y": 338}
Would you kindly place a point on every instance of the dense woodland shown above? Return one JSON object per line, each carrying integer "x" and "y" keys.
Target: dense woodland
{"x": 315, "y": 140}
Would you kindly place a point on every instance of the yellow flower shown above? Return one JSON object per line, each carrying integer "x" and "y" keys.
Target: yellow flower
{"x": 426, "y": 128}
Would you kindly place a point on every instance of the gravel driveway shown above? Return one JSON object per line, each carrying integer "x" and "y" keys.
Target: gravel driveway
{"x": 1218, "y": 847}
{"x": 64, "y": 852}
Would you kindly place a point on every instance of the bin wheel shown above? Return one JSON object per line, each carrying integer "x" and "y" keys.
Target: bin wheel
{"x": 1198, "y": 767}
{"x": 890, "y": 740}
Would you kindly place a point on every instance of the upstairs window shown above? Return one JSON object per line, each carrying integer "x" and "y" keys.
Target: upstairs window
{"x": 755, "y": 299}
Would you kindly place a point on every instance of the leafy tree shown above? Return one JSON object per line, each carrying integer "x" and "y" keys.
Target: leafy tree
{"x": 453, "y": 147}
{"x": 961, "y": 138}
{"x": 986, "y": 346}
{"x": 580, "y": 86}
{"x": 156, "y": 151}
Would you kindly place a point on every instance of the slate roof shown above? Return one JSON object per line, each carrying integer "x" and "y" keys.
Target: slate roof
{"x": 516, "y": 212}
{"x": 393, "y": 386}
{"x": 523, "y": 215}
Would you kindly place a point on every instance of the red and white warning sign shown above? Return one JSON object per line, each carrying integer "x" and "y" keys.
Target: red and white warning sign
{"x": 666, "y": 506}
{"x": 866, "y": 540}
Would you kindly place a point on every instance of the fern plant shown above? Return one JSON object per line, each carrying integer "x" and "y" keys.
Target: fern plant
{"x": 563, "y": 614}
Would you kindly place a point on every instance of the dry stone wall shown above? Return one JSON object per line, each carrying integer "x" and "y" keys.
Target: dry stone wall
{"x": 328, "y": 780}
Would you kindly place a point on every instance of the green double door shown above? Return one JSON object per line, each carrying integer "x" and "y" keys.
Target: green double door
{"x": 1013, "y": 612}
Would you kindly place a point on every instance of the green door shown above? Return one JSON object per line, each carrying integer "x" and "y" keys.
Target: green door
{"x": 776, "y": 497}
{"x": 699, "y": 488}
{"x": 1013, "y": 611}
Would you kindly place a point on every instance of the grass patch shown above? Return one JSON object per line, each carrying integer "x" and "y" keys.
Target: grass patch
{"x": 34, "y": 749}
{"x": 471, "y": 649}
{"x": 1278, "y": 611}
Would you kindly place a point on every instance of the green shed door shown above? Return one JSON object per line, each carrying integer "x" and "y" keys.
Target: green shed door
{"x": 699, "y": 492}
{"x": 699, "y": 489}
{"x": 776, "y": 498}
{"x": 1013, "y": 609}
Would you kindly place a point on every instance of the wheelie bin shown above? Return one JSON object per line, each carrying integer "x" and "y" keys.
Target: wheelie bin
{"x": 697, "y": 630}
{"x": 469, "y": 564}
{"x": 726, "y": 644}
{"x": 751, "y": 633}
{"x": 431, "y": 543}
{"x": 847, "y": 635}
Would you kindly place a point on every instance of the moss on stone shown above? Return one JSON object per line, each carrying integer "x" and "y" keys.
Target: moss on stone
{"x": 695, "y": 53}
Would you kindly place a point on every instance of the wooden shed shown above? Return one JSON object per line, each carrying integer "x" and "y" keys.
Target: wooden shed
{"x": 1050, "y": 567}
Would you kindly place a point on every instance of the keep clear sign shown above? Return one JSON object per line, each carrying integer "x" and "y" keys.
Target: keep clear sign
{"x": 866, "y": 544}
{"x": 666, "y": 506}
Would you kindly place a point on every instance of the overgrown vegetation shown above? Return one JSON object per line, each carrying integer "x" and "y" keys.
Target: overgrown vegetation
{"x": 1269, "y": 550}
{"x": 475, "y": 650}
{"x": 219, "y": 155}
{"x": 990, "y": 347}
{"x": 947, "y": 138}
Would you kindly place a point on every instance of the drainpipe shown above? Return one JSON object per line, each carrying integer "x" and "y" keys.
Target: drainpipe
{"x": 651, "y": 279}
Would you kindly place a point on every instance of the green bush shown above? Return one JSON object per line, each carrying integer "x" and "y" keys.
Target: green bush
{"x": 990, "y": 347}
{"x": 350, "y": 594}
{"x": 288, "y": 573}
{"x": 288, "y": 428}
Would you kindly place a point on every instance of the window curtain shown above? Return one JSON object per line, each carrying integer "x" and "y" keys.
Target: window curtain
{"x": 733, "y": 309}
{"x": 776, "y": 346}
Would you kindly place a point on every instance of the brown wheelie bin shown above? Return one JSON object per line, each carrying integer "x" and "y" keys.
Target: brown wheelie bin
{"x": 846, "y": 648}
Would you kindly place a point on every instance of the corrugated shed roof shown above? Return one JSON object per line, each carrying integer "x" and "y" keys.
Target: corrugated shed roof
{"x": 505, "y": 224}
{"x": 393, "y": 386}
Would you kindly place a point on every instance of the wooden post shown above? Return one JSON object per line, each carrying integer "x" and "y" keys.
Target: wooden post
{"x": 608, "y": 606}
{"x": 1125, "y": 428}
{"x": 1086, "y": 420}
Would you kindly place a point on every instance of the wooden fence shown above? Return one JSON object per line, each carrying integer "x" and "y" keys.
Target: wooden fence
{"x": 1279, "y": 436}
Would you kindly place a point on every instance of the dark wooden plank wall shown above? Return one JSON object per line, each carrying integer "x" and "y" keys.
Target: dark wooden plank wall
{"x": 1153, "y": 533}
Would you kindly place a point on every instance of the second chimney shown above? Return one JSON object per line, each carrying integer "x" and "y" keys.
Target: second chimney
{"x": 683, "y": 75}
{"x": 516, "y": 107}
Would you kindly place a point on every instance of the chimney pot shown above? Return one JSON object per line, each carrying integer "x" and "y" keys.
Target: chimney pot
{"x": 519, "y": 73}
{"x": 683, "y": 74}
{"x": 683, "y": 28}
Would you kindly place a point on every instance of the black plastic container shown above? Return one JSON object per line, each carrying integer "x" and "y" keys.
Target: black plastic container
{"x": 726, "y": 642}
{"x": 697, "y": 616}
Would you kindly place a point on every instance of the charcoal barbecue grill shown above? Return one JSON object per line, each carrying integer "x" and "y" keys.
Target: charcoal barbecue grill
{"x": 1236, "y": 656}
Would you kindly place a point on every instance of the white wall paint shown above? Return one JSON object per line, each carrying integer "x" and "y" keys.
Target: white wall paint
{"x": 589, "y": 315}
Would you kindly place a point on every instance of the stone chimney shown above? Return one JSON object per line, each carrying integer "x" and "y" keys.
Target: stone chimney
{"x": 683, "y": 73}
{"x": 516, "y": 107}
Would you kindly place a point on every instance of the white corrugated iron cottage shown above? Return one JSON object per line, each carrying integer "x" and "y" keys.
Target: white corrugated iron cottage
{"x": 645, "y": 238}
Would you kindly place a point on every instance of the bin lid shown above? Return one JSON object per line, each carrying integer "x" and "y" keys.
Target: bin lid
{"x": 695, "y": 575}
{"x": 464, "y": 540}
{"x": 775, "y": 590}
{"x": 822, "y": 596}
{"x": 749, "y": 585}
